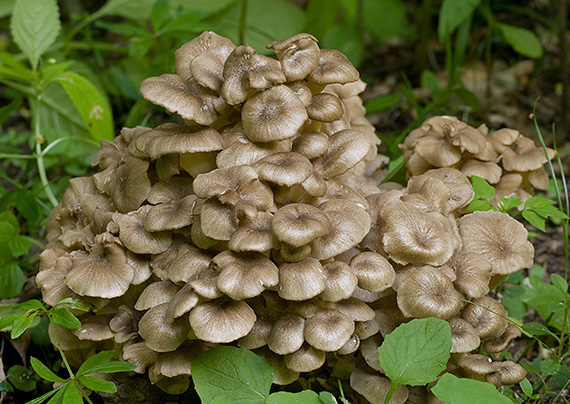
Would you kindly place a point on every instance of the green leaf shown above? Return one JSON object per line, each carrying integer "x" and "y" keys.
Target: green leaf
{"x": 12, "y": 280}
{"x": 22, "y": 323}
{"x": 429, "y": 81}
{"x": 21, "y": 378}
{"x": 302, "y": 397}
{"x": 44, "y": 372}
{"x": 327, "y": 397}
{"x": 42, "y": 398}
{"x": 7, "y": 231}
{"x": 97, "y": 384}
{"x": 555, "y": 306}
{"x": 19, "y": 245}
{"x": 559, "y": 282}
{"x": 321, "y": 16}
{"x": 72, "y": 394}
{"x": 12, "y": 107}
{"x": 477, "y": 205}
{"x": 64, "y": 318}
{"x": 93, "y": 106}
{"x": 99, "y": 364}
{"x": 76, "y": 304}
{"x": 383, "y": 103}
{"x": 526, "y": 387}
{"x": 550, "y": 367}
{"x": 237, "y": 372}
{"x": 537, "y": 329}
{"x": 453, "y": 390}
{"x": 159, "y": 14}
{"x": 385, "y": 18}
{"x": 507, "y": 204}
{"x": 123, "y": 28}
{"x": 482, "y": 188}
{"x": 452, "y": 14}
{"x": 534, "y": 219}
{"x": 35, "y": 25}
{"x": 415, "y": 353}
{"x": 522, "y": 40}
{"x": 347, "y": 39}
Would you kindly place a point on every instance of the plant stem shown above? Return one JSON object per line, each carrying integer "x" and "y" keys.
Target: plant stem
{"x": 242, "y": 19}
{"x": 65, "y": 362}
{"x": 393, "y": 387}
{"x": 39, "y": 152}
{"x": 564, "y": 71}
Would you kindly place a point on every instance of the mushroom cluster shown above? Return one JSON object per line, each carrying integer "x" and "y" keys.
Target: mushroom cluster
{"x": 505, "y": 158}
{"x": 259, "y": 223}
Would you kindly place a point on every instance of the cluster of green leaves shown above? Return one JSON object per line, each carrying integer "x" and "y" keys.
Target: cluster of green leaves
{"x": 17, "y": 318}
{"x": 535, "y": 209}
{"x": 13, "y": 246}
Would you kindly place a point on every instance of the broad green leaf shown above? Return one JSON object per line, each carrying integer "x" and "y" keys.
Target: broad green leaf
{"x": 479, "y": 205}
{"x": 559, "y": 282}
{"x": 7, "y": 231}
{"x": 482, "y": 188}
{"x": 21, "y": 378}
{"x": 97, "y": 384}
{"x": 159, "y": 14}
{"x": 534, "y": 219}
{"x": 526, "y": 387}
{"x": 550, "y": 366}
{"x": 6, "y": 321}
{"x": 32, "y": 304}
{"x": 6, "y": 7}
{"x": 12, "y": 280}
{"x": 72, "y": 395}
{"x": 44, "y": 372}
{"x": 415, "y": 353}
{"x": 39, "y": 332}
{"x": 9, "y": 217}
{"x": 383, "y": 103}
{"x": 453, "y": 390}
{"x": 19, "y": 245}
{"x": 522, "y": 40}
{"x": 74, "y": 303}
{"x": 93, "y": 106}
{"x": 385, "y": 18}
{"x": 555, "y": 306}
{"x": 35, "y": 25}
{"x": 302, "y": 397}
{"x": 22, "y": 323}
{"x": 100, "y": 364}
{"x": 64, "y": 318}
{"x": 321, "y": 16}
{"x": 327, "y": 397}
{"x": 452, "y": 14}
{"x": 237, "y": 372}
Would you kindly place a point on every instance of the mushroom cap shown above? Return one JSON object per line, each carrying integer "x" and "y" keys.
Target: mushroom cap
{"x": 95, "y": 328}
{"x": 464, "y": 338}
{"x": 375, "y": 387}
{"x": 373, "y": 271}
{"x": 305, "y": 359}
{"x": 460, "y": 190}
{"x": 156, "y": 293}
{"x": 258, "y": 335}
{"x": 170, "y": 138}
{"x": 328, "y": 330}
{"x": 169, "y": 216}
{"x": 286, "y": 335}
{"x": 347, "y": 148}
{"x": 298, "y": 224}
{"x": 340, "y": 281}
{"x": 245, "y": 275}
{"x": 311, "y": 144}
{"x": 333, "y": 67}
{"x": 489, "y": 170}
{"x": 207, "y": 68}
{"x": 499, "y": 238}
{"x": 369, "y": 350}
{"x": 217, "y": 221}
{"x": 182, "y": 302}
{"x": 186, "y": 98}
{"x": 253, "y": 234}
{"x": 473, "y": 273}
{"x": 433, "y": 196}
{"x": 102, "y": 272}
{"x": 475, "y": 364}
{"x": 325, "y": 108}
{"x": 437, "y": 151}
{"x": 244, "y": 70}
{"x": 140, "y": 355}
{"x": 134, "y": 236}
{"x": 502, "y": 342}
{"x": 301, "y": 280}
{"x": 205, "y": 284}
{"x": 488, "y": 317}
{"x": 222, "y": 321}
{"x": 506, "y": 373}
{"x": 413, "y": 236}
{"x": 501, "y": 139}
{"x": 162, "y": 335}
{"x": 285, "y": 168}
{"x": 273, "y": 114}
{"x": 299, "y": 55}
{"x": 428, "y": 293}
{"x": 525, "y": 156}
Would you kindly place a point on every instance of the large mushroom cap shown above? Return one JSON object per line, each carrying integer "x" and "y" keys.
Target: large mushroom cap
{"x": 328, "y": 330}
{"x": 222, "y": 321}
{"x": 162, "y": 335}
{"x": 298, "y": 224}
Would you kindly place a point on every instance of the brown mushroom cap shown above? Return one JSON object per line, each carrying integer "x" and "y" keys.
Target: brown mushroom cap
{"x": 222, "y": 321}
{"x": 156, "y": 293}
{"x": 375, "y": 387}
{"x": 103, "y": 272}
{"x": 333, "y": 67}
{"x": 286, "y": 168}
{"x": 373, "y": 271}
{"x": 325, "y": 108}
{"x": 340, "y": 281}
{"x": 347, "y": 148}
{"x": 488, "y": 317}
{"x": 506, "y": 373}
{"x": 134, "y": 236}
{"x": 245, "y": 275}
{"x": 286, "y": 335}
{"x": 169, "y": 216}
{"x": 499, "y": 238}
{"x": 328, "y": 330}
{"x": 473, "y": 273}
{"x": 428, "y": 293}
{"x": 299, "y": 55}
{"x": 502, "y": 342}
{"x": 301, "y": 280}
{"x": 160, "y": 334}
{"x": 311, "y": 144}
{"x": 298, "y": 224}
{"x": 273, "y": 114}
{"x": 258, "y": 335}
{"x": 464, "y": 338}
{"x": 488, "y": 170}
{"x": 253, "y": 234}
{"x": 525, "y": 156}
{"x": 305, "y": 359}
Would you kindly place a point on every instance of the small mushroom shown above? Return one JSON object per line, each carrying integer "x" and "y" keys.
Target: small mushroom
{"x": 305, "y": 359}
{"x": 301, "y": 280}
{"x": 222, "y": 321}
{"x": 328, "y": 330}
{"x": 373, "y": 271}
{"x": 375, "y": 387}
{"x": 286, "y": 335}
{"x": 487, "y": 316}
{"x": 162, "y": 335}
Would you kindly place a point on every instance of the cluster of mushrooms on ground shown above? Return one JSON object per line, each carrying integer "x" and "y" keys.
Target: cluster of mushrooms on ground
{"x": 260, "y": 223}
